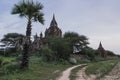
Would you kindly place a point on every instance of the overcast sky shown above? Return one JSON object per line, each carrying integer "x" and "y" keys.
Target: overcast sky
{"x": 99, "y": 20}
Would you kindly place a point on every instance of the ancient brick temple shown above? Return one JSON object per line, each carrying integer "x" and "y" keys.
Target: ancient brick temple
{"x": 52, "y": 31}
{"x": 102, "y": 51}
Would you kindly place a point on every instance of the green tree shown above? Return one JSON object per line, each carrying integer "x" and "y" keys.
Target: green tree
{"x": 12, "y": 38}
{"x": 89, "y": 53}
{"x": 110, "y": 53}
{"x": 77, "y": 41}
{"x": 32, "y": 12}
{"x": 60, "y": 47}
{"x": 47, "y": 54}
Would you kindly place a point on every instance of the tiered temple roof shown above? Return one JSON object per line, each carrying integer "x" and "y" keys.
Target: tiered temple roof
{"x": 53, "y": 30}
{"x": 102, "y": 50}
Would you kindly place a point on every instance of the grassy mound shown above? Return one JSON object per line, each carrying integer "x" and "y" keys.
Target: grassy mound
{"x": 100, "y": 68}
{"x": 38, "y": 70}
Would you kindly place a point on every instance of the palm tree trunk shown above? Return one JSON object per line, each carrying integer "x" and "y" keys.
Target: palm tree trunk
{"x": 26, "y": 48}
{"x": 28, "y": 32}
{"x": 25, "y": 57}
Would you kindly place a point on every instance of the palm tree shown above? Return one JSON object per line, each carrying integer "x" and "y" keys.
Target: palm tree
{"x": 32, "y": 12}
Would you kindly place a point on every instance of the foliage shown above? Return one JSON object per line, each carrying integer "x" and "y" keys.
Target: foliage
{"x": 99, "y": 58}
{"x": 89, "y": 53}
{"x": 1, "y": 61}
{"x": 10, "y": 53}
{"x": 29, "y": 9}
{"x": 84, "y": 60}
{"x": 76, "y": 40}
{"x": 11, "y": 67}
{"x": 6, "y": 60}
{"x": 60, "y": 47}
{"x": 12, "y": 38}
{"x": 44, "y": 71}
{"x": 73, "y": 61}
{"x": 110, "y": 53}
{"x": 47, "y": 54}
{"x": 32, "y": 12}
{"x": 4, "y": 63}
{"x": 100, "y": 68}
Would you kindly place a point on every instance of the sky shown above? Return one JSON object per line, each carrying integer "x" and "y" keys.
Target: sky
{"x": 99, "y": 20}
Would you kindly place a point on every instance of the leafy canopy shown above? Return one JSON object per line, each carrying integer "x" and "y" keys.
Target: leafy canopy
{"x": 60, "y": 47}
{"x": 11, "y": 38}
{"x": 75, "y": 39}
{"x": 30, "y": 10}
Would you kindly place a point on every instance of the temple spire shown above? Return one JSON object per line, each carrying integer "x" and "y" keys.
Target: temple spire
{"x": 41, "y": 35}
{"x": 36, "y": 35}
{"x": 53, "y": 22}
{"x": 54, "y": 17}
{"x": 102, "y": 50}
{"x": 53, "y": 30}
{"x": 100, "y": 45}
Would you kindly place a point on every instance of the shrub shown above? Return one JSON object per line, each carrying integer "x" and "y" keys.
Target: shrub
{"x": 84, "y": 60}
{"x": 1, "y": 61}
{"x": 47, "y": 54}
{"x": 11, "y": 67}
{"x": 73, "y": 61}
{"x": 100, "y": 68}
{"x": 9, "y": 52}
{"x": 60, "y": 47}
{"x": 110, "y": 53}
{"x": 5, "y": 62}
{"x": 89, "y": 52}
{"x": 98, "y": 58}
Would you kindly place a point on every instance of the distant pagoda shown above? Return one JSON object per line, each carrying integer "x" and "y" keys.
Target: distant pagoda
{"x": 102, "y": 51}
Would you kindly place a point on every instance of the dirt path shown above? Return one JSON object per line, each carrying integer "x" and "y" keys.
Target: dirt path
{"x": 114, "y": 74}
{"x": 66, "y": 73}
{"x": 82, "y": 76}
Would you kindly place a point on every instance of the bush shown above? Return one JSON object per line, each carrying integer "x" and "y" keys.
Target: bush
{"x": 98, "y": 58}
{"x": 73, "y": 61}
{"x": 5, "y": 62}
{"x": 1, "y": 61}
{"x": 100, "y": 68}
{"x": 60, "y": 47}
{"x": 2, "y": 53}
{"x": 10, "y": 67}
{"x": 84, "y": 60}
{"x": 9, "y": 52}
{"x": 89, "y": 52}
{"x": 110, "y": 53}
{"x": 47, "y": 54}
